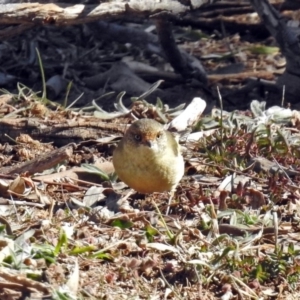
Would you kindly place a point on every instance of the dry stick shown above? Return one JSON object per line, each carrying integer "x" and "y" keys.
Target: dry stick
{"x": 4, "y": 201}
{"x": 169, "y": 285}
{"x": 42, "y": 163}
{"x": 13, "y": 31}
{"x": 67, "y": 14}
{"x": 24, "y": 282}
{"x": 227, "y": 42}
{"x": 62, "y": 133}
{"x": 66, "y": 184}
{"x": 275, "y": 220}
{"x": 232, "y": 78}
{"x": 70, "y": 174}
{"x": 182, "y": 64}
{"x": 7, "y": 225}
{"x": 51, "y": 208}
{"x": 283, "y": 96}
{"x": 12, "y": 286}
{"x": 15, "y": 208}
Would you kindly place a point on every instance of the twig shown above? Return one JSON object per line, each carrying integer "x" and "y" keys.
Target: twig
{"x": 187, "y": 69}
{"x": 4, "y": 201}
{"x": 42, "y": 163}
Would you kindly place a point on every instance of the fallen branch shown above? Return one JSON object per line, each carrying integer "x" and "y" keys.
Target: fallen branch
{"x": 186, "y": 65}
{"x": 50, "y": 130}
{"x": 22, "y": 282}
{"x": 42, "y": 163}
{"x": 66, "y": 14}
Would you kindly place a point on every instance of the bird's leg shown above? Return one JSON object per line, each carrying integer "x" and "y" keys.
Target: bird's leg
{"x": 171, "y": 195}
{"x": 128, "y": 194}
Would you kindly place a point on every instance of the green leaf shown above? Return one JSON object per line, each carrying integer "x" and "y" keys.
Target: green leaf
{"x": 150, "y": 232}
{"x": 49, "y": 259}
{"x": 151, "y": 89}
{"x": 102, "y": 255}
{"x": 62, "y": 241}
{"x": 93, "y": 169}
{"x": 122, "y": 224}
{"x": 79, "y": 250}
{"x": 33, "y": 276}
{"x": 44, "y": 251}
{"x": 264, "y": 50}
{"x": 224, "y": 254}
{"x": 119, "y": 104}
{"x": 2, "y": 227}
{"x": 260, "y": 275}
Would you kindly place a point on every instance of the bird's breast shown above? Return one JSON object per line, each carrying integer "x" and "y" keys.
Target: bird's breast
{"x": 147, "y": 170}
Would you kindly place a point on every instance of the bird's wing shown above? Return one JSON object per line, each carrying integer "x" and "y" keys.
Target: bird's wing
{"x": 174, "y": 143}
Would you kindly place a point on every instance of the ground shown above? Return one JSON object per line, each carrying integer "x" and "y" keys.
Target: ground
{"x": 232, "y": 231}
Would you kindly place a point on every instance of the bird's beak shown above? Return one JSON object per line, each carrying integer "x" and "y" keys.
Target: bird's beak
{"x": 150, "y": 143}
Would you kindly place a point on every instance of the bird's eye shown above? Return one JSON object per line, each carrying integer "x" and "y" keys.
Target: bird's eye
{"x": 159, "y": 135}
{"x": 137, "y": 137}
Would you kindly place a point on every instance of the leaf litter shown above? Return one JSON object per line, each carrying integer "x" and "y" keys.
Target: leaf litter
{"x": 232, "y": 229}
{"x": 75, "y": 231}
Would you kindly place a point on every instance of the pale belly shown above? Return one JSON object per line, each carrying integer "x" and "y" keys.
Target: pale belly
{"x": 145, "y": 176}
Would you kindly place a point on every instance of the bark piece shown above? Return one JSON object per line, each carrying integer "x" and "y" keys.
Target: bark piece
{"x": 66, "y": 14}
{"x": 41, "y": 163}
{"x": 61, "y": 131}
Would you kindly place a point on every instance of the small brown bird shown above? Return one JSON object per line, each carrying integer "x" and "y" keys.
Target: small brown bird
{"x": 148, "y": 158}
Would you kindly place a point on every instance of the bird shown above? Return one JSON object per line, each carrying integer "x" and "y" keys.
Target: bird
{"x": 148, "y": 158}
